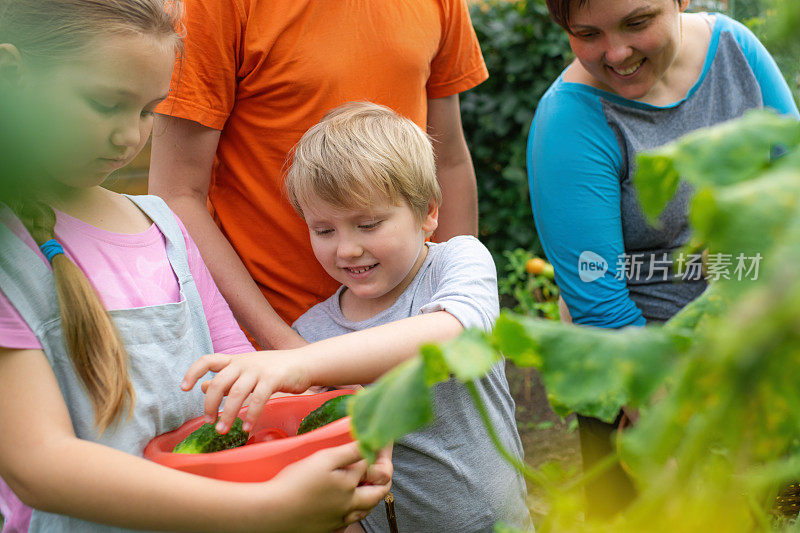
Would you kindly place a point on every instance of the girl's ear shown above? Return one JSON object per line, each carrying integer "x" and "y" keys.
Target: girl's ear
{"x": 431, "y": 220}
{"x": 10, "y": 65}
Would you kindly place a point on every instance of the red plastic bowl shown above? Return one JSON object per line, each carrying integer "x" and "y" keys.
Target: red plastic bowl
{"x": 262, "y": 458}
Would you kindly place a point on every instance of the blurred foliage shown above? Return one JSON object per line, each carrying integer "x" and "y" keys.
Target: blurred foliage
{"x": 525, "y": 52}
{"x": 775, "y": 33}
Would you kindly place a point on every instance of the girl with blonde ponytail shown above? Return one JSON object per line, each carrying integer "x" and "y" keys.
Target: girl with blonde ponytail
{"x": 91, "y": 339}
{"x": 105, "y": 301}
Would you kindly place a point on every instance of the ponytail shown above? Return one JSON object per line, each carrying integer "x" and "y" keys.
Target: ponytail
{"x": 90, "y": 336}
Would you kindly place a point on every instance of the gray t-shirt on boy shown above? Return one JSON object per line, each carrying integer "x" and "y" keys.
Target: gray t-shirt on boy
{"x": 447, "y": 477}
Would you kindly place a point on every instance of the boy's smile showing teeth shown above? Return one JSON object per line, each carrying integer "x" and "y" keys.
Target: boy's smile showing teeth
{"x": 360, "y": 270}
{"x": 373, "y": 251}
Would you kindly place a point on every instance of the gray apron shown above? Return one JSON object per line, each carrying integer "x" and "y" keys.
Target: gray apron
{"x": 162, "y": 342}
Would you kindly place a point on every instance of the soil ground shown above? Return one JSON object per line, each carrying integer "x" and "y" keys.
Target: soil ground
{"x": 545, "y": 436}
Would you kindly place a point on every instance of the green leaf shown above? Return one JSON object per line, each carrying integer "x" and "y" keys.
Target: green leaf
{"x": 656, "y": 180}
{"x": 736, "y": 150}
{"x": 708, "y": 305}
{"x": 469, "y": 356}
{"x": 397, "y": 404}
{"x": 591, "y": 371}
{"x": 703, "y": 208}
{"x": 435, "y": 366}
{"x": 511, "y": 339}
{"x": 725, "y": 218}
{"x": 728, "y": 153}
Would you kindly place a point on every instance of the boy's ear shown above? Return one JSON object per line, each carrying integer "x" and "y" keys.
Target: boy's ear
{"x": 431, "y": 220}
{"x": 10, "y": 65}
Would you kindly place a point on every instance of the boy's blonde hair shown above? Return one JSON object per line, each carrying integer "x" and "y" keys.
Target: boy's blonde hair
{"x": 360, "y": 152}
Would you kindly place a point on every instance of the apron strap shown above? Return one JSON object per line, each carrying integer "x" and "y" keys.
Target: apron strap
{"x": 163, "y": 217}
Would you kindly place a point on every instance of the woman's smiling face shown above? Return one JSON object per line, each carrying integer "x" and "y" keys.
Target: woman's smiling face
{"x": 627, "y": 46}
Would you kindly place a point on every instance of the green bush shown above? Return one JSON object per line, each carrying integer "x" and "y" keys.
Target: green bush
{"x": 525, "y": 52}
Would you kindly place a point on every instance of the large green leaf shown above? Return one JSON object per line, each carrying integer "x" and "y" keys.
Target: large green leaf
{"x": 470, "y": 355}
{"x": 748, "y": 217}
{"x": 397, "y": 404}
{"x": 400, "y": 401}
{"x": 590, "y": 371}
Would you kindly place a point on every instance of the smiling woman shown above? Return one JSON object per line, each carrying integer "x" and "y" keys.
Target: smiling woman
{"x": 628, "y": 47}
{"x": 645, "y": 73}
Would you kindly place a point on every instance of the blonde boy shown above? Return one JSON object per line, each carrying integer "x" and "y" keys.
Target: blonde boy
{"x": 364, "y": 180}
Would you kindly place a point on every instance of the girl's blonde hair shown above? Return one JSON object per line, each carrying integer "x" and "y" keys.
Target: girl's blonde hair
{"x": 359, "y": 153}
{"x": 46, "y": 33}
{"x": 51, "y": 31}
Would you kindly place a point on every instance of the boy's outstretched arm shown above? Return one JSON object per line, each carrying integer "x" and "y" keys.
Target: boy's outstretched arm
{"x": 358, "y": 357}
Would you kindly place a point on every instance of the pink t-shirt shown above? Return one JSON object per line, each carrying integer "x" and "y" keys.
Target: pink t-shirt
{"x": 127, "y": 271}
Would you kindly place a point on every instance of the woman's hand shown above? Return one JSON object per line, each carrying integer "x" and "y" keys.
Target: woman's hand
{"x": 255, "y": 375}
{"x": 324, "y": 492}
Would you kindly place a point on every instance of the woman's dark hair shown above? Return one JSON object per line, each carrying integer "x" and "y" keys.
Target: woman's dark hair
{"x": 560, "y": 10}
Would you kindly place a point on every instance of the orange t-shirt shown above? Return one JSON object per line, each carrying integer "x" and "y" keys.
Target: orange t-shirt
{"x": 264, "y": 71}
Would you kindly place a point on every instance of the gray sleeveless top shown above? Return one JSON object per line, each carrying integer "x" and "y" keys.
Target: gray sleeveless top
{"x": 162, "y": 342}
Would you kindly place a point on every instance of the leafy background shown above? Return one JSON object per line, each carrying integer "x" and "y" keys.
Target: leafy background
{"x": 524, "y": 52}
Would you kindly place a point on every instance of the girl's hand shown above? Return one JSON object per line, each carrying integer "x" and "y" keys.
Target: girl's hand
{"x": 322, "y": 492}
{"x": 255, "y": 375}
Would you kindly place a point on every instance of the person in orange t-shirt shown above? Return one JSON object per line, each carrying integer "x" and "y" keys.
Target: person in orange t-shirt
{"x": 255, "y": 75}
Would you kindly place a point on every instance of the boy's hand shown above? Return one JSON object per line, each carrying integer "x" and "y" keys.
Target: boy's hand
{"x": 255, "y": 375}
{"x": 380, "y": 472}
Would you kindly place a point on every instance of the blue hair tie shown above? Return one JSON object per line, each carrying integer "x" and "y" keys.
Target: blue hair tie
{"x": 51, "y": 248}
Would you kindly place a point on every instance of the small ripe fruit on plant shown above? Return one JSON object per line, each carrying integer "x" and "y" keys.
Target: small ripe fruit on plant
{"x": 535, "y": 266}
